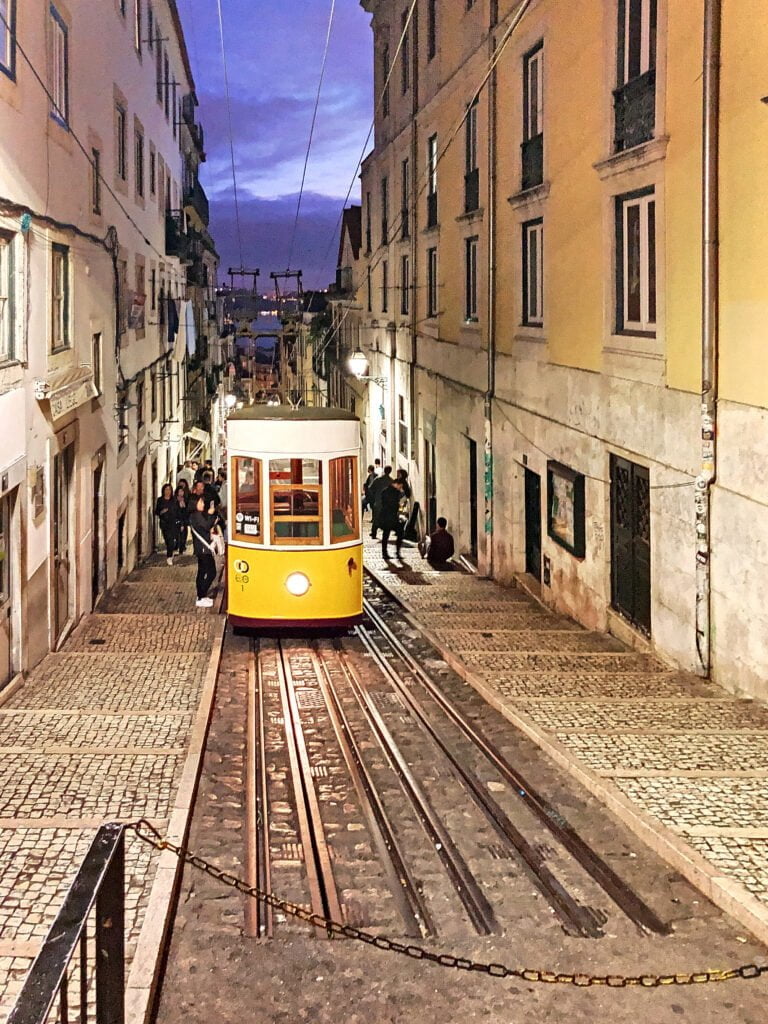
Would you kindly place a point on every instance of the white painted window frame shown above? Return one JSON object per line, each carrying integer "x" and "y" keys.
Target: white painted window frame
{"x": 533, "y": 304}
{"x": 59, "y": 67}
{"x": 645, "y": 39}
{"x": 643, "y": 203}
{"x": 534, "y": 113}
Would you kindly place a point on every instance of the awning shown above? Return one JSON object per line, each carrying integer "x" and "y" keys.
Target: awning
{"x": 66, "y": 389}
{"x": 200, "y": 439}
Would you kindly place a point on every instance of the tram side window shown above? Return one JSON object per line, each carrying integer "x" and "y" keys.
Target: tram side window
{"x": 296, "y": 499}
{"x": 247, "y": 484}
{"x": 345, "y": 500}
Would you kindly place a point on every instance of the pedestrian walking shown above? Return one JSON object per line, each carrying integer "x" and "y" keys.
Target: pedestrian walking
{"x": 368, "y": 481}
{"x": 165, "y": 510}
{"x": 377, "y": 467}
{"x": 439, "y": 547}
{"x": 201, "y": 521}
{"x": 183, "y": 503}
{"x": 402, "y": 476}
{"x": 186, "y": 475}
{"x": 390, "y": 518}
{"x": 375, "y": 491}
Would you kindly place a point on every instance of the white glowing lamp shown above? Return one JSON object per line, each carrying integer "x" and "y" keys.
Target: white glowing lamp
{"x": 230, "y": 401}
{"x": 358, "y": 364}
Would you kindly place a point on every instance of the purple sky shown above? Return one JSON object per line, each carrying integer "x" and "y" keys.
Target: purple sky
{"x": 274, "y": 54}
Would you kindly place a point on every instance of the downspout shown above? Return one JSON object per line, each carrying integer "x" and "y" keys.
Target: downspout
{"x": 709, "y": 333}
{"x": 414, "y": 249}
{"x": 491, "y": 381}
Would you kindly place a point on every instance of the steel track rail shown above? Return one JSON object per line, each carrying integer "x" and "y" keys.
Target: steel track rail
{"x": 252, "y": 926}
{"x": 606, "y": 878}
{"x": 575, "y": 918}
{"x": 471, "y": 895}
{"x": 407, "y": 893}
{"x": 317, "y": 857}
{"x": 264, "y": 859}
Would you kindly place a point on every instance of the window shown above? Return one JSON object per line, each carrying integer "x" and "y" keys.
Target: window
{"x": 123, "y": 7}
{"x": 7, "y": 314}
{"x": 370, "y": 291}
{"x": 635, "y": 94}
{"x": 471, "y": 171}
{"x": 533, "y": 118}
{"x": 153, "y": 393}
{"x": 59, "y": 297}
{"x": 8, "y": 37}
{"x": 402, "y": 427}
{"x": 139, "y": 151}
{"x": 405, "y": 199}
{"x": 122, "y": 420}
{"x": 384, "y": 286}
{"x": 96, "y": 361}
{"x": 159, "y": 65}
{"x": 121, "y": 142}
{"x": 470, "y": 271}
{"x": 431, "y": 28}
{"x": 95, "y": 181}
{"x": 152, "y": 170}
{"x": 533, "y": 273}
{"x": 384, "y": 211}
{"x": 139, "y": 403}
{"x": 153, "y": 289}
{"x": 166, "y": 85}
{"x": 405, "y": 55}
{"x": 432, "y": 181}
{"x": 367, "y": 222}
{"x": 175, "y": 118}
{"x": 59, "y": 68}
{"x": 432, "y": 282}
{"x": 296, "y": 501}
{"x": 150, "y": 28}
{"x": 405, "y": 285}
{"x": 122, "y": 276}
{"x": 636, "y": 263}
{"x": 385, "y": 81}
{"x": 345, "y": 502}
{"x": 137, "y": 25}
{"x": 246, "y": 483}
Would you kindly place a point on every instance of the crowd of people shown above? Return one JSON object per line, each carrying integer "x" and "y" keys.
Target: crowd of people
{"x": 195, "y": 512}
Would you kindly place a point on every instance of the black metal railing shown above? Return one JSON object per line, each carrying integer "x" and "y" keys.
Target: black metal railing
{"x": 431, "y": 209}
{"x": 472, "y": 190}
{"x": 80, "y": 970}
{"x": 195, "y": 197}
{"x": 634, "y": 111}
{"x": 532, "y": 151}
{"x": 177, "y": 240}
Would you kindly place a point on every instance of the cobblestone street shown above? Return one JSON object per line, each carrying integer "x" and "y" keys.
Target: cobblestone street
{"x": 680, "y": 760}
{"x": 99, "y": 732}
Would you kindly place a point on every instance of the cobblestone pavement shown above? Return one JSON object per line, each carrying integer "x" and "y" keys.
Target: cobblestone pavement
{"x": 98, "y": 732}
{"x": 683, "y": 751}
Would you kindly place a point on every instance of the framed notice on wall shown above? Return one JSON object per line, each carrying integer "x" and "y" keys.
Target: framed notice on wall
{"x": 565, "y": 508}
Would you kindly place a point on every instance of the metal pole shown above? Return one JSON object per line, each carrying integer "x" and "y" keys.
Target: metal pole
{"x": 709, "y": 332}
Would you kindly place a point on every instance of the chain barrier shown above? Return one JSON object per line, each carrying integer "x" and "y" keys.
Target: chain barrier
{"x": 150, "y": 835}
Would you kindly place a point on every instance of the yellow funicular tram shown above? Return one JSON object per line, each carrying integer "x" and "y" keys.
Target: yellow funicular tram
{"x": 295, "y": 554}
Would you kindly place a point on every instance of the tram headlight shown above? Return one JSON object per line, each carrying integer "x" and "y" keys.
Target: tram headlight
{"x": 297, "y": 584}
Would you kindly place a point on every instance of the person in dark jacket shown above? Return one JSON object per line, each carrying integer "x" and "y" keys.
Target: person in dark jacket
{"x": 375, "y": 491}
{"x": 183, "y": 504}
{"x": 390, "y": 519}
{"x": 201, "y": 521}
{"x": 440, "y": 547}
{"x": 165, "y": 510}
{"x": 366, "y": 487}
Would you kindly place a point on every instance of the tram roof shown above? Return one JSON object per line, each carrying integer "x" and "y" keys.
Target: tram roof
{"x": 286, "y": 412}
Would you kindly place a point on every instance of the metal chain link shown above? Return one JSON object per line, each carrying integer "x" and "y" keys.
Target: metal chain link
{"x": 150, "y": 835}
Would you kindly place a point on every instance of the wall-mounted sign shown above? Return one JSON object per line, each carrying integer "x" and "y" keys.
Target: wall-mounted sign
{"x": 565, "y": 508}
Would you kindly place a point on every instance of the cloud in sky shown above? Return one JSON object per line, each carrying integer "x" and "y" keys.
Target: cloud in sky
{"x": 274, "y": 54}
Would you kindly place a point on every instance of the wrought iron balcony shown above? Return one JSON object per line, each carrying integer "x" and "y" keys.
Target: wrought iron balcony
{"x": 177, "y": 241}
{"x": 472, "y": 190}
{"x": 634, "y": 107}
{"x": 431, "y": 209}
{"x": 533, "y": 161}
{"x": 195, "y": 197}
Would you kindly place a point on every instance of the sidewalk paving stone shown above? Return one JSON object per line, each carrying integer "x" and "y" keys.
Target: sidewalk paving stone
{"x": 680, "y": 759}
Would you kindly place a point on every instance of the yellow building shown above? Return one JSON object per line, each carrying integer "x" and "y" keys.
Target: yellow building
{"x": 533, "y": 236}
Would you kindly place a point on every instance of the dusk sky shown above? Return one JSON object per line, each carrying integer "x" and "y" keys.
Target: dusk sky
{"x": 274, "y": 55}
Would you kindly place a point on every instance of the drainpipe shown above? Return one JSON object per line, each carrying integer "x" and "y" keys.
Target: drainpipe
{"x": 491, "y": 382}
{"x": 709, "y": 333}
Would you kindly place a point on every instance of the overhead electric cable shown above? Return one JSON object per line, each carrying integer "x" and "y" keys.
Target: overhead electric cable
{"x": 231, "y": 135}
{"x": 312, "y": 129}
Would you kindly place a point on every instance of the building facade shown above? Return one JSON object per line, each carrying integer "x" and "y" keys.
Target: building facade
{"x": 533, "y": 296}
{"x": 95, "y": 178}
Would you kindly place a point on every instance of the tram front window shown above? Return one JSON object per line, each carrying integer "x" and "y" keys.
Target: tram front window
{"x": 345, "y": 500}
{"x": 246, "y": 481}
{"x": 296, "y": 492}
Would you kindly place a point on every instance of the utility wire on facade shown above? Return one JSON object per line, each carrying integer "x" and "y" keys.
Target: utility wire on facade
{"x": 231, "y": 134}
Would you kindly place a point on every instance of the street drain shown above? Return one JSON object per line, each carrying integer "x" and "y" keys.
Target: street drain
{"x": 96, "y": 640}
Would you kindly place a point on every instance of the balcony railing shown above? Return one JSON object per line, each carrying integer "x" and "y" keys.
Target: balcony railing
{"x": 195, "y": 197}
{"x": 431, "y": 209}
{"x": 634, "y": 107}
{"x": 177, "y": 241}
{"x": 533, "y": 161}
{"x": 472, "y": 190}
{"x": 79, "y": 973}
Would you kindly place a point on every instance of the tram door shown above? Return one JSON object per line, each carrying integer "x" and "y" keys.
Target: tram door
{"x": 141, "y": 515}
{"x": 97, "y": 540}
{"x": 6, "y": 568}
{"x": 533, "y": 524}
{"x": 62, "y": 541}
{"x": 472, "y": 497}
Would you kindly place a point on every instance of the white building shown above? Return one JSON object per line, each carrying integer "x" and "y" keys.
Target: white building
{"x": 94, "y": 254}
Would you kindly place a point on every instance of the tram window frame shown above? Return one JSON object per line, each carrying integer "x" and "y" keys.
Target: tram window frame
{"x": 238, "y": 535}
{"x": 335, "y": 483}
{"x": 292, "y": 486}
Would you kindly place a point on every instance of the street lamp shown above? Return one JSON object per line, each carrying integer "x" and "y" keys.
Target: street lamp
{"x": 358, "y": 366}
{"x": 230, "y": 401}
